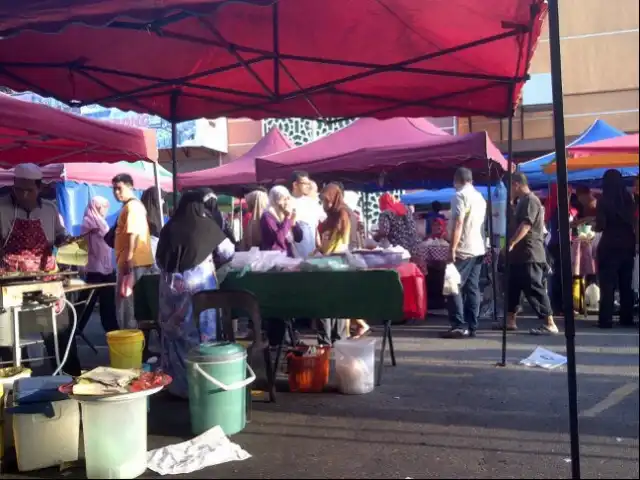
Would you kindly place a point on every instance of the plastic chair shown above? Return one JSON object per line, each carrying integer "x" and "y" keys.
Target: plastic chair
{"x": 227, "y": 301}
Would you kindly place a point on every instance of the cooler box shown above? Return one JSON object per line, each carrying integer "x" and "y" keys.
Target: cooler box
{"x": 46, "y": 423}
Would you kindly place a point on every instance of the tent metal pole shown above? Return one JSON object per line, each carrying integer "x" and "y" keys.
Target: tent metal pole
{"x": 507, "y": 262}
{"x": 174, "y": 145}
{"x": 563, "y": 214}
{"x": 494, "y": 273}
{"x": 156, "y": 176}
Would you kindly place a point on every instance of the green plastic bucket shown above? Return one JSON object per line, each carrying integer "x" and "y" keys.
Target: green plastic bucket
{"x": 218, "y": 375}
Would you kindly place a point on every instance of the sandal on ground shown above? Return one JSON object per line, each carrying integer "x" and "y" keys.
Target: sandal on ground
{"x": 499, "y": 326}
{"x": 544, "y": 330}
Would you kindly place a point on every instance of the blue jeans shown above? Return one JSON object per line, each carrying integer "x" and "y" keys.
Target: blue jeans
{"x": 464, "y": 307}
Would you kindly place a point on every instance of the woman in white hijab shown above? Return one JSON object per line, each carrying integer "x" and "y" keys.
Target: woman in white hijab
{"x": 278, "y": 227}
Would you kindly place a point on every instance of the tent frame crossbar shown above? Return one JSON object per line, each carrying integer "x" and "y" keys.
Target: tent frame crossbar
{"x": 271, "y": 97}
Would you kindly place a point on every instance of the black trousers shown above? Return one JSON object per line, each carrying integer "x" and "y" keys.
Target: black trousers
{"x": 331, "y": 330}
{"x": 615, "y": 269}
{"x": 529, "y": 279}
{"x": 277, "y": 332}
{"x": 107, "y": 298}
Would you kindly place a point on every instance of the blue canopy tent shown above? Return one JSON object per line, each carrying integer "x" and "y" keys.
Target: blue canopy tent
{"x": 533, "y": 169}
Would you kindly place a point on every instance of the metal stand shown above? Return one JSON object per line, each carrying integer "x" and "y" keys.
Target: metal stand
{"x": 385, "y": 336}
{"x": 17, "y": 344}
{"x": 565, "y": 246}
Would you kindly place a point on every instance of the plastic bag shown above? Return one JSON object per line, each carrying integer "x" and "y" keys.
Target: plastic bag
{"x": 126, "y": 285}
{"x": 452, "y": 280}
{"x": 592, "y": 298}
{"x": 355, "y": 261}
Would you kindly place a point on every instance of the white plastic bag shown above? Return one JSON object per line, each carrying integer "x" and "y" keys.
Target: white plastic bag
{"x": 543, "y": 358}
{"x": 452, "y": 280}
{"x": 592, "y": 298}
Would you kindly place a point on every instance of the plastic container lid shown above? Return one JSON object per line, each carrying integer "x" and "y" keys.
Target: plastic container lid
{"x": 217, "y": 352}
{"x": 40, "y": 389}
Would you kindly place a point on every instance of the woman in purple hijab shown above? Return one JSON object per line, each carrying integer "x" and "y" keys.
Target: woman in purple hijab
{"x": 100, "y": 268}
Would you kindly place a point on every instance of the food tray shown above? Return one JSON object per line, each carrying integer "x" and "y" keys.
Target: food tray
{"x": 67, "y": 389}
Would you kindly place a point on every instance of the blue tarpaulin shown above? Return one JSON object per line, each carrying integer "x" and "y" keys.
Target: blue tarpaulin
{"x": 73, "y": 198}
{"x": 599, "y": 130}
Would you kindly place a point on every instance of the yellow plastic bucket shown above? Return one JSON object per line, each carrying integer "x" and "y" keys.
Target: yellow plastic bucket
{"x": 125, "y": 348}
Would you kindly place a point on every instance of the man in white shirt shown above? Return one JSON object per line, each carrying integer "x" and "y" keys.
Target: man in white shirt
{"x": 309, "y": 212}
{"x": 467, "y": 244}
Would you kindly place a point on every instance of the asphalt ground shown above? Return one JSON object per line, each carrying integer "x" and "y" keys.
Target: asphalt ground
{"x": 446, "y": 411}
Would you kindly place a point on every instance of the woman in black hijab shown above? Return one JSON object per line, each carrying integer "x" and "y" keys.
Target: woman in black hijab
{"x": 212, "y": 209}
{"x": 152, "y": 201}
{"x": 185, "y": 260}
{"x": 616, "y": 249}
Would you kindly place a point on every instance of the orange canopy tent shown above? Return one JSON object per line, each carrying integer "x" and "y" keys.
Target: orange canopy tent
{"x": 618, "y": 152}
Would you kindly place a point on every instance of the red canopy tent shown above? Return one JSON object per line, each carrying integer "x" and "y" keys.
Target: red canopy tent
{"x": 185, "y": 59}
{"x": 236, "y": 176}
{"x": 402, "y": 152}
{"x": 43, "y": 135}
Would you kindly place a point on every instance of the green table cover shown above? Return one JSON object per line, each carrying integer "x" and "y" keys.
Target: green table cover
{"x": 373, "y": 295}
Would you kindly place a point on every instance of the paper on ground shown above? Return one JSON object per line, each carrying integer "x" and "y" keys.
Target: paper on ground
{"x": 543, "y": 358}
{"x": 206, "y": 450}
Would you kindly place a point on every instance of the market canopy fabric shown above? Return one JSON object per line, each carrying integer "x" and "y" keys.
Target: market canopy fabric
{"x": 186, "y": 59}
{"x": 99, "y": 174}
{"x": 623, "y": 144}
{"x": 32, "y": 133}
{"x": 619, "y": 152}
{"x": 534, "y": 169}
{"x": 395, "y": 153}
{"x": 239, "y": 174}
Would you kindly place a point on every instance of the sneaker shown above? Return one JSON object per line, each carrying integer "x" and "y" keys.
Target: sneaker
{"x": 456, "y": 333}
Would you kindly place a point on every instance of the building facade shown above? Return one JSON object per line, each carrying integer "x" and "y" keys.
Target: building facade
{"x": 599, "y": 45}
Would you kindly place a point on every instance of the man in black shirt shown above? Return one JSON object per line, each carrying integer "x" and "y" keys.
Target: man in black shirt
{"x": 528, "y": 259}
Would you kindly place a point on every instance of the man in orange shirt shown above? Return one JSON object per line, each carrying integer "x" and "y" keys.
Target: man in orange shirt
{"x": 132, "y": 246}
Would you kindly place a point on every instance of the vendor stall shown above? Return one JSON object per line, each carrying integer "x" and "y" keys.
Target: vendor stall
{"x": 378, "y": 296}
{"x": 76, "y": 183}
{"x": 240, "y": 174}
{"x": 386, "y": 154}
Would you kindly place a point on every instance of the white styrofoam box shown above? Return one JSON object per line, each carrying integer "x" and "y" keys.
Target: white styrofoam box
{"x": 43, "y": 442}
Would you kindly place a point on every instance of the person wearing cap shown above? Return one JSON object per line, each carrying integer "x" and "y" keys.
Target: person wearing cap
{"x": 30, "y": 228}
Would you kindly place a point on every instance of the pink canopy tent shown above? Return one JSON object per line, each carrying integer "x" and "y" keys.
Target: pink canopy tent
{"x": 397, "y": 151}
{"x": 94, "y": 174}
{"x": 623, "y": 144}
{"x": 43, "y": 135}
{"x": 240, "y": 173}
